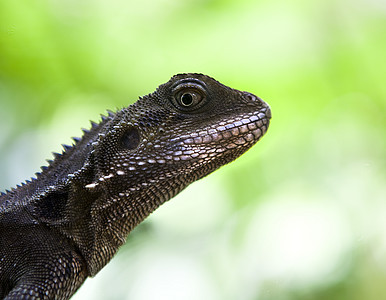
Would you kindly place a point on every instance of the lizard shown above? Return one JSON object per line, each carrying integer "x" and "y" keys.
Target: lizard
{"x": 67, "y": 222}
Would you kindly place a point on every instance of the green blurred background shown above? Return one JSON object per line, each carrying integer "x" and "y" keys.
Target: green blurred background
{"x": 300, "y": 216}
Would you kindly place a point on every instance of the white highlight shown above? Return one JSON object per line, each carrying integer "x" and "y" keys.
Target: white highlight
{"x": 91, "y": 185}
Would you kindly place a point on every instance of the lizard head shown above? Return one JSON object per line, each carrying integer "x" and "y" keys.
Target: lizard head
{"x": 186, "y": 129}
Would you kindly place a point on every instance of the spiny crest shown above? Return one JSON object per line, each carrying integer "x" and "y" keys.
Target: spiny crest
{"x": 66, "y": 148}
{"x": 93, "y": 124}
{"x": 85, "y": 131}
{"x": 104, "y": 118}
{"x": 110, "y": 113}
{"x": 13, "y": 189}
{"x": 77, "y": 140}
{"x": 57, "y": 155}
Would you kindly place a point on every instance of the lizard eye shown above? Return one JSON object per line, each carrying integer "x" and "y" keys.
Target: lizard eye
{"x": 189, "y": 95}
{"x": 189, "y": 98}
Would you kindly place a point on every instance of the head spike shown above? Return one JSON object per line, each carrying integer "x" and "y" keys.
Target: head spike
{"x": 104, "y": 118}
{"x": 93, "y": 124}
{"x": 76, "y": 139}
{"x": 56, "y": 154}
{"x": 66, "y": 147}
{"x": 110, "y": 113}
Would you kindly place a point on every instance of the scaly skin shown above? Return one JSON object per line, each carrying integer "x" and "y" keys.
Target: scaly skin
{"x": 67, "y": 224}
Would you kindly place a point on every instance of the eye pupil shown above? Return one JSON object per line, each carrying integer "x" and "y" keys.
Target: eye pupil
{"x": 187, "y": 99}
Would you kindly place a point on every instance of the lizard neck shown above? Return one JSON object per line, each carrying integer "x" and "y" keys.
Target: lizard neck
{"x": 104, "y": 226}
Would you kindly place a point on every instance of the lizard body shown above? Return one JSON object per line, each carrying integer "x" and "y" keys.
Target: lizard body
{"x": 68, "y": 222}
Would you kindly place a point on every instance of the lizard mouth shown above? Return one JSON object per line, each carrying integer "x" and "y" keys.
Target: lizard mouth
{"x": 240, "y": 132}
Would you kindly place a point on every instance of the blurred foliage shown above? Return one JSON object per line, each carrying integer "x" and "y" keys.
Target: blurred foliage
{"x": 300, "y": 216}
